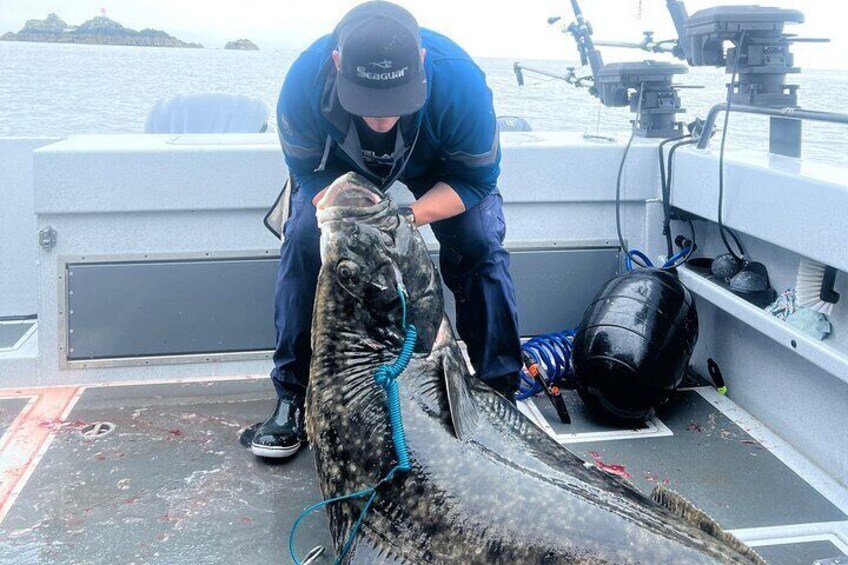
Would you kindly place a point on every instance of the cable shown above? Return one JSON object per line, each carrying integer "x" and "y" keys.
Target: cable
{"x": 663, "y": 184}
{"x": 721, "y": 228}
{"x": 687, "y": 140}
{"x": 680, "y": 258}
{"x": 683, "y": 255}
{"x": 680, "y": 255}
{"x": 618, "y": 202}
{"x": 646, "y": 261}
{"x": 666, "y": 187}
{"x": 634, "y": 256}
{"x": 692, "y": 231}
{"x": 630, "y": 255}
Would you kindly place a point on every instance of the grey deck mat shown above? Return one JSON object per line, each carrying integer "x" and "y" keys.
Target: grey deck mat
{"x": 713, "y": 462}
{"x": 173, "y": 484}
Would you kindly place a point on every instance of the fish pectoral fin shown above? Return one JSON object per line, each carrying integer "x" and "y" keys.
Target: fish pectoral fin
{"x": 463, "y": 407}
{"x": 678, "y": 505}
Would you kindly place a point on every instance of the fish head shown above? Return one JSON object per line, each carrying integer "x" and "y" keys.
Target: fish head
{"x": 371, "y": 255}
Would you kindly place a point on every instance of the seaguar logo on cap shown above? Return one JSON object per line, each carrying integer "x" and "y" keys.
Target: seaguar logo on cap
{"x": 362, "y": 72}
{"x": 385, "y": 64}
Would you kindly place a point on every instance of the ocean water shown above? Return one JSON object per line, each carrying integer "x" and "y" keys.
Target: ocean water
{"x": 55, "y": 89}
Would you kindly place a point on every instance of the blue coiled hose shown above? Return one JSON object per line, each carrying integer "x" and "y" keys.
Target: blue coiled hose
{"x": 385, "y": 376}
{"x": 552, "y": 352}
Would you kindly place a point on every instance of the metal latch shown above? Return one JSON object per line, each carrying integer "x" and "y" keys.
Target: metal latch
{"x": 47, "y": 238}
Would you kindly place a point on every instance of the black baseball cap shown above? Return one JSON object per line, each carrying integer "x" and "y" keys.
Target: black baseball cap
{"x": 380, "y": 73}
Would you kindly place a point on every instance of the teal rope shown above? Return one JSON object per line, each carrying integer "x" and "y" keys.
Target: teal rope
{"x": 385, "y": 376}
{"x": 371, "y": 491}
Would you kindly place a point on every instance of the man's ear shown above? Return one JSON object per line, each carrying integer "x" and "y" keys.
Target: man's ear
{"x": 337, "y": 59}
{"x": 423, "y": 55}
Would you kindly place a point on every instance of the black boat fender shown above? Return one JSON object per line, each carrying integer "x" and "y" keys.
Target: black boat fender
{"x": 634, "y": 343}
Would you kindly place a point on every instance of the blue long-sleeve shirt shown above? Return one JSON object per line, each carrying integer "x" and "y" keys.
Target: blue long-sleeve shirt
{"x": 453, "y": 138}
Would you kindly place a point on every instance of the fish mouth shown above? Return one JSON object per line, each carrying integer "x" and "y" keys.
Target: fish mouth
{"x": 350, "y": 196}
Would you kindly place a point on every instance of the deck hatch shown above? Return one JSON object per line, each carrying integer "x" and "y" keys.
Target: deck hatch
{"x": 169, "y": 308}
{"x": 133, "y": 311}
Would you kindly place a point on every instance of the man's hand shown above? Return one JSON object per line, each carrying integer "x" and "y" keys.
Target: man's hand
{"x": 438, "y": 203}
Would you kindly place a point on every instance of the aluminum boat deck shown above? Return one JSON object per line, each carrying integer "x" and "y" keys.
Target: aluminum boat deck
{"x": 129, "y": 226}
{"x": 166, "y": 477}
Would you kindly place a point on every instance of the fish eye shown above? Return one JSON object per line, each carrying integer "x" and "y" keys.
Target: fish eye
{"x": 348, "y": 271}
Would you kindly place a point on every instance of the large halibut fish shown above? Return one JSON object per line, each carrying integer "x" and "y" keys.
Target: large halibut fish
{"x": 486, "y": 485}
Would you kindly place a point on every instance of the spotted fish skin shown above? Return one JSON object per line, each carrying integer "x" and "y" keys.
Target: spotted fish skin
{"x": 486, "y": 485}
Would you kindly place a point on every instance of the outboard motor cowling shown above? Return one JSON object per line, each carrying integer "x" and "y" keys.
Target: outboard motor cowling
{"x": 634, "y": 343}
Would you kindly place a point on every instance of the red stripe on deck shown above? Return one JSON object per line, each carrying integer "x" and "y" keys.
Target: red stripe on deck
{"x": 29, "y": 436}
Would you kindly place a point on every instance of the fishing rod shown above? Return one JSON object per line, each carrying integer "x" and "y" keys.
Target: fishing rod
{"x": 644, "y": 84}
{"x": 647, "y": 44}
{"x": 570, "y": 76}
{"x": 581, "y": 30}
{"x": 675, "y": 46}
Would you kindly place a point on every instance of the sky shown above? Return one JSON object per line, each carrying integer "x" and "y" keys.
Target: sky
{"x": 484, "y": 28}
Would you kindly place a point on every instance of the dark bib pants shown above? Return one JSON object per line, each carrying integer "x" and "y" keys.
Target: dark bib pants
{"x": 474, "y": 266}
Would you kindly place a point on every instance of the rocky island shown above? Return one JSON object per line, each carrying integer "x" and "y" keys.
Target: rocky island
{"x": 97, "y": 31}
{"x": 243, "y": 44}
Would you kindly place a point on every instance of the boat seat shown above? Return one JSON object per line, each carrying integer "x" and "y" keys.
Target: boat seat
{"x": 208, "y": 113}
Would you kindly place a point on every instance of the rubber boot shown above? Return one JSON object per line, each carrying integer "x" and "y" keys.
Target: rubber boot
{"x": 282, "y": 435}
